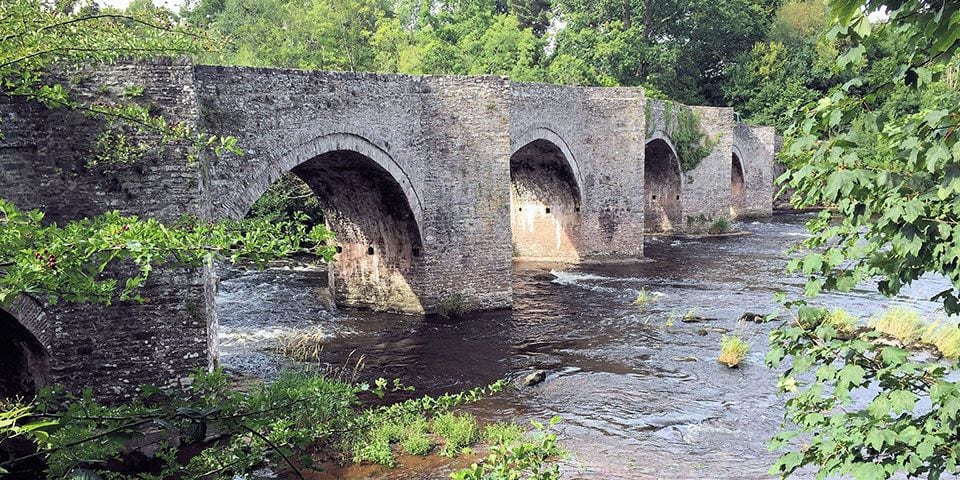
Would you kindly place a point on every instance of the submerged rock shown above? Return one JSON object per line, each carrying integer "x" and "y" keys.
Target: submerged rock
{"x": 534, "y": 378}
{"x": 753, "y": 317}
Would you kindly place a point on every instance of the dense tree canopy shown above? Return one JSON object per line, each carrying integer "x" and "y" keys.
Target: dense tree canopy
{"x": 683, "y": 48}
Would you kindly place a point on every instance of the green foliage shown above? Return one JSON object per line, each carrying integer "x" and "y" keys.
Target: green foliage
{"x": 530, "y": 459}
{"x": 853, "y": 405}
{"x": 69, "y": 262}
{"x": 289, "y": 198}
{"x": 683, "y": 127}
{"x": 458, "y": 431}
{"x": 882, "y": 151}
{"x": 792, "y": 66}
{"x": 269, "y": 422}
{"x": 451, "y": 306}
{"x": 502, "y": 433}
{"x": 231, "y": 431}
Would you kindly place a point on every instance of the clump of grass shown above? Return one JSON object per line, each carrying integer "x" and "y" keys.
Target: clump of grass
{"x": 946, "y": 338}
{"x": 720, "y": 225}
{"x": 842, "y": 321}
{"x": 733, "y": 349}
{"x": 302, "y": 346}
{"x": 900, "y": 323}
{"x": 457, "y": 431}
{"x": 645, "y": 298}
{"x": 691, "y": 314}
{"x": 503, "y": 433}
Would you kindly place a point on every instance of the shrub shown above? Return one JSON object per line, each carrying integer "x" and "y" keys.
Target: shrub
{"x": 418, "y": 443}
{"x": 900, "y": 323}
{"x": 531, "y": 458}
{"x": 732, "y": 350}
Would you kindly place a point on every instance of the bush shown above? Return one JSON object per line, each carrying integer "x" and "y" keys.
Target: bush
{"x": 531, "y": 459}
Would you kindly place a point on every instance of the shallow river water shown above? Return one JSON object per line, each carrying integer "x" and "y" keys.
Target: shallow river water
{"x": 639, "y": 390}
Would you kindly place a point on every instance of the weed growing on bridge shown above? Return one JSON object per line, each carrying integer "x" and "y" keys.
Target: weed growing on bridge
{"x": 683, "y": 127}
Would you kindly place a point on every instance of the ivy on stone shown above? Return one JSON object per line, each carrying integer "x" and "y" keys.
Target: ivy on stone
{"x": 683, "y": 128}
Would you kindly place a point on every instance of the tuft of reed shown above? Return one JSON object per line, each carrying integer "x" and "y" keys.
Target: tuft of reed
{"x": 901, "y": 323}
{"x": 645, "y": 298}
{"x": 945, "y": 337}
{"x": 733, "y": 350}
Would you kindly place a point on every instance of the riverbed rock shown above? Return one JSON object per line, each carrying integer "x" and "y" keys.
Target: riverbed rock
{"x": 544, "y": 277}
{"x": 534, "y": 378}
{"x": 720, "y": 330}
{"x": 753, "y": 317}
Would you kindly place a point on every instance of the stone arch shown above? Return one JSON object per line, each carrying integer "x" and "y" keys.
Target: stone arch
{"x": 286, "y": 161}
{"x": 371, "y": 205}
{"x": 546, "y": 134}
{"x": 24, "y": 349}
{"x": 738, "y": 185}
{"x": 662, "y": 185}
{"x": 545, "y": 199}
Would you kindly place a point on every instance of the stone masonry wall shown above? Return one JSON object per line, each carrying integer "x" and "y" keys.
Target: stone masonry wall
{"x": 601, "y": 131}
{"x": 442, "y": 140}
{"x": 706, "y": 188}
{"x": 755, "y": 148}
{"x": 43, "y": 166}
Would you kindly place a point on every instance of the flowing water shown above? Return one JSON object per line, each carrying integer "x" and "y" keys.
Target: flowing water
{"x": 639, "y": 389}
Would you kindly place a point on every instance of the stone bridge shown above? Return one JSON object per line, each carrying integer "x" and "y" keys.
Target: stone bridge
{"x": 433, "y": 186}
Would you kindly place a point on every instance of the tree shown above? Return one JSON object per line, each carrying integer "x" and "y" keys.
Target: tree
{"x": 882, "y": 151}
{"x": 678, "y": 47}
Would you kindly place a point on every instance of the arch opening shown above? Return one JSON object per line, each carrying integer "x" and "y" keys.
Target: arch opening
{"x": 662, "y": 184}
{"x": 24, "y": 361}
{"x": 738, "y": 191}
{"x": 545, "y": 203}
{"x": 377, "y": 238}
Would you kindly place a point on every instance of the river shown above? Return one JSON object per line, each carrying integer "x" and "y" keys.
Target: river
{"x": 639, "y": 390}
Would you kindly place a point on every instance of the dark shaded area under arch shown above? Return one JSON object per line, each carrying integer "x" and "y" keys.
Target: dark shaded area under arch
{"x": 663, "y": 208}
{"x": 544, "y": 203}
